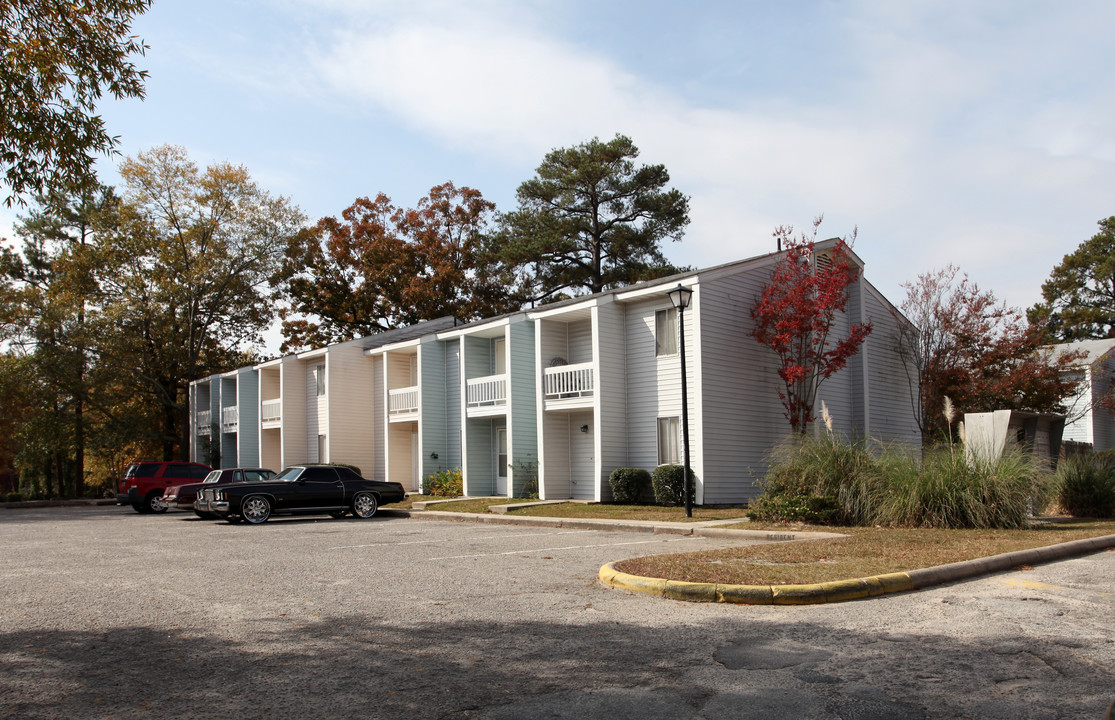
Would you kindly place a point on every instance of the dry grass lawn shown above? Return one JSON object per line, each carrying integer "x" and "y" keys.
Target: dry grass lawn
{"x": 863, "y": 552}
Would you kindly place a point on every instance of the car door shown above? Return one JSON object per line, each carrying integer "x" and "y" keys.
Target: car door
{"x": 316, "y": 487}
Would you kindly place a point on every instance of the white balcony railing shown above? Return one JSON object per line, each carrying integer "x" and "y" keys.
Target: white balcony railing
{"x": 487, "y": 391}
{"x": 204, "y": 422}
{"x": 271, "y": 411}
{"x": 402, "y": 401}
{"x": 568, "y": 381}
{"x": 230, "y": 418}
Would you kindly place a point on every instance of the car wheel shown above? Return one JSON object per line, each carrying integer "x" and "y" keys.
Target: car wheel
{"x": 153, "y": 503}
{"x": 364, "y": 505}
{"x": 338, "y": 514}
{"x": 255, "y": 509}
{"x": 140, "y": 507}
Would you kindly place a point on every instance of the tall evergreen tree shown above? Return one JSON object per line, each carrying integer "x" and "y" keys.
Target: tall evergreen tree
{"x": 589, "y": 220}
{"x": 1079, "y": 296}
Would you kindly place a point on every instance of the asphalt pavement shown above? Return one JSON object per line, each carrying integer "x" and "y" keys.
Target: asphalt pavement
{"x": 104, "y": 612}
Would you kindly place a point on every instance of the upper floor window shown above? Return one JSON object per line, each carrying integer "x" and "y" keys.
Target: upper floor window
{"x": 319, "y": 375}
{"x": 666, "y": 332}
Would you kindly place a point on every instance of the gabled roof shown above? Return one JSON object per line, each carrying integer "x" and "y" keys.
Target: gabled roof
{"x": 1093, "y": 349}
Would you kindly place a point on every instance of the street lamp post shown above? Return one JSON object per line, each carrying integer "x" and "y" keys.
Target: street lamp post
{"x": 680, "y": 297}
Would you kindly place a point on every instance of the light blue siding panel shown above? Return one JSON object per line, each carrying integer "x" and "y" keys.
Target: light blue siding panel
{"x": 523, "y": 423}
{"x": 452, "y": 404}
{"x": 247, "y": 388}
{"x": 432, "y": 385}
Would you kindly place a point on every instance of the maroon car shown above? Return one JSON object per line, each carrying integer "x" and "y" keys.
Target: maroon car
{"x": 184, "y": 497}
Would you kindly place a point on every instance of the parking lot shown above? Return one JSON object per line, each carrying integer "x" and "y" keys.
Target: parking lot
{"x": 104, "y": 612}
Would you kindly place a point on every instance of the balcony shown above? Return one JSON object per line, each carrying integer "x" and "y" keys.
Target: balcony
{"x": 568, "y": 385}
{"x": 402, "y": 403}
{"x": 271, "y": 413}
{"x": 204, "y": 422}
{"x": 486, "y": 395}
{"x": 230, "y": 419}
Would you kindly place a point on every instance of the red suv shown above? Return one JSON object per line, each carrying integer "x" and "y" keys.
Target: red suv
{"x": 144, "y": 482}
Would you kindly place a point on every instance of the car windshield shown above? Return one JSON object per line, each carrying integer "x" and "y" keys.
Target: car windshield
{"x": 290, "y": 474}
{"x": 212, "y": 477}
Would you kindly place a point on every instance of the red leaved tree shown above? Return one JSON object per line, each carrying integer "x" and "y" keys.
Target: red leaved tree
{"x": 964, "y": 344}
{"x": 795, "y": 314}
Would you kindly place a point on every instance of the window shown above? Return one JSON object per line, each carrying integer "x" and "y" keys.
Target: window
{"x": 177, "y": 471}
{"x": 669, "y": 441}
{"x": 319, "y": 375}
{"x": 666, "y": 332}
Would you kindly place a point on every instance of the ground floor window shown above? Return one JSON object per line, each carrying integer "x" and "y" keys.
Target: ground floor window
{"x": 669, "y": 441}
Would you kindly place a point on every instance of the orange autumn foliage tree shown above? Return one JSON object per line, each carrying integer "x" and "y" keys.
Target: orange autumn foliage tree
{"x": 381, "y": 267}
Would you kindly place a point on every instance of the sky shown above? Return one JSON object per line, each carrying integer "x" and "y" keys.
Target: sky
{"x": 974, "y": 132}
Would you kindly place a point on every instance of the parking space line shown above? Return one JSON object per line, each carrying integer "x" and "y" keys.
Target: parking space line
{"x": 442, "y": 540}
{"x": 553, "y": 549}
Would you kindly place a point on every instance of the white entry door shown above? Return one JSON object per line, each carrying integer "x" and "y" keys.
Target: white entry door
{"x": 501, "y": 461}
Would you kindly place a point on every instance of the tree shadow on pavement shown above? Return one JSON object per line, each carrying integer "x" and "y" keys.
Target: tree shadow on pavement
{"x": 352, "y": 666}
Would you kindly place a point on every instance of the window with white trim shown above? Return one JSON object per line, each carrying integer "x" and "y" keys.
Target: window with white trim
{"x": 665, "y": 332}
{"x": 319, "y": 376}
{"x": 669, "y": 441}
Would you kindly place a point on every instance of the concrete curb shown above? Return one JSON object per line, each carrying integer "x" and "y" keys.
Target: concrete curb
{"x": 842, "y": 590}
{"x": 82, "y": 502}
{"x": 635, "y": 526}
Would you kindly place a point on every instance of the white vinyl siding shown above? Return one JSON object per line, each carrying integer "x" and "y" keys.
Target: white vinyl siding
{"x": 295, "y": 433}
{"x": 743, "y": 417}
{"x": 523, "y": 408}
{"x": 654, "y": 383}
{"x": 582, "y": 463}
{"x": 378, "y": 425}
{"x": 349, "y": 409}
{"x": 891, "y": 389}
{"x": 611, "y": 393}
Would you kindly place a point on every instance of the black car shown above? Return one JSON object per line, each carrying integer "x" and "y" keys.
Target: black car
{"x": 185, "y": 497}
{"x": 303, "y": 489}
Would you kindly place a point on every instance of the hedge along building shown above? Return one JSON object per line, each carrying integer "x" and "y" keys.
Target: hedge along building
{"x": 565, "y": 393}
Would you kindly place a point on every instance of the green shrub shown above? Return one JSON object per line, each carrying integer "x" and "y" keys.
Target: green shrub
{"x": 526, "y": 473}
{"x": 629, "y": 485}
{"x": 668, "y": 482}
{"x": 1087, "y": 485}
{"x": 445, "y": 483}
{"x": 840, "y": 474}
{"x": 15, "y": 497}
{"x": 822, "y": 480}
{"x": 794, "y": 507}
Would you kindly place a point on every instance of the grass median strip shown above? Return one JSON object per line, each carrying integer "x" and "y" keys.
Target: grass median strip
{"x": 863, "y": 552}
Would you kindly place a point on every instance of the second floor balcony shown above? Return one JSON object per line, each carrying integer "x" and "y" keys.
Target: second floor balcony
{"x": 271, "y": 413}
{"x": 569, "y": 385}
{"x": 230, "y": 419}
{"x": 204, "y": 422}
{"x": 402, "y": 403}
{"x": 486, "y": 395}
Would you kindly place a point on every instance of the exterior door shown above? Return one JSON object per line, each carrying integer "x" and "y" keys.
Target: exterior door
{"x": 501, "y": 461}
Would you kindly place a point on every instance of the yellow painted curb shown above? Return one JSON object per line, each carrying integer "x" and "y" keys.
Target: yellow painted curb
{"x": 693, "y": 592}
{"x": 837, "y": 591}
